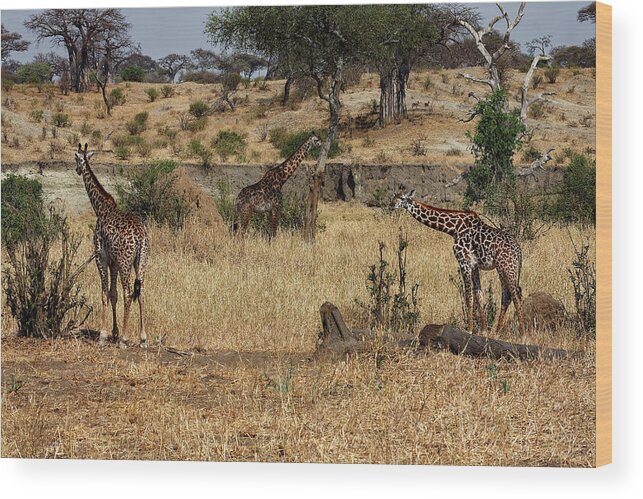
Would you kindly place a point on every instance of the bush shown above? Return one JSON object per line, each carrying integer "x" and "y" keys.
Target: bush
{"x": 151, "y": 194}
{"x": 41, "y": 291}
{"x": 551, "y": 73}
{"x": 199, "y": 109}
{"x": 36, "y": 115}
{"x": 531, "y": 154}
{"x": 228, "y": 143}
{"x": 167, "y": 91}
{"x": 204, "y": 77}
{"x": 122, "y": 152}
{"x": 138, "y": 124}
{"x": 536, "y": 81}
{"x": 35, "y": 73}
{"x": 152, "y": 94}
{"x": 197, "y": 124}
{"x": 116, "y": 97}
{"x": 60, "y": 120}
{"x": 287, "y": 143}
{"x": 197, "y": 149}
{"x": 133, "y": 73}
{"x": 391, "y": 307}
{"x": 583, "y": 277}
{"x": 577, "y": 199}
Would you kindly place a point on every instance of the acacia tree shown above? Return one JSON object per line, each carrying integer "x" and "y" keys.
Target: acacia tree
{"x": 12, "y": 42}
{"x": 317, "y": 41}
{"x": 172, "y": 64}
{"x": 80, "y": 31}
{"x": 587, "y": 13}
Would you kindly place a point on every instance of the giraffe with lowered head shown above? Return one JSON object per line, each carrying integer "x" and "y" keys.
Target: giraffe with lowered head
{"x": 120, "y": 244}
{"x": 477, "y": 246}
{"x": 265, "y": 195}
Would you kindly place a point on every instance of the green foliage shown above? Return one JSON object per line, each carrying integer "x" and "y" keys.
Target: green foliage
{"x": 551, "y": 73}
{"x": 288, "y": 142}
{"x": 138, "y": 124}
{"x": 22, "y": 208}
{"x": 391, "y": 307}
{"x": 133, "y": 73}
{"x": 60, "y": 120}
{"x": 197, "y": 124}
{"x": 198, "y": 109}
{"x": 122, "y": 152}
{"x": 531, "y": 154}
{"x": 116, "y": 97}
{"x": 577, "y": 199}
{"x": 494, "y": 142}
{"x": 167, "y": 91}
{"x": 42, "y": 290}
{"x": 152, "y": 93}
{"x": 197, "y": 149}
{"x": 583, "y": 277}
{"x": 36, "y": 115}
{"x": 35, "y": 73}
{"x": 151, "y": 194}
{"x": 228, "y": 143}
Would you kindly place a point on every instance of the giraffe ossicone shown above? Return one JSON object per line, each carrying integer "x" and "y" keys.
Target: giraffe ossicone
{"x": 120, "y": 245}
{"x": 476, "y": 246}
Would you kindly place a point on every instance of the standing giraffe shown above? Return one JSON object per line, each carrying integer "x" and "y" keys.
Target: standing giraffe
{"x": 265, "y": 195}
{"x": 477, "y": 246}
{"x": 120, "y": 243}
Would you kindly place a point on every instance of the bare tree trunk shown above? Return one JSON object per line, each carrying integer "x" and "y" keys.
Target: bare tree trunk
{"x": 525, "y": 102}
{"x": 287, "y": 86}
{"x": 393, "y": 94}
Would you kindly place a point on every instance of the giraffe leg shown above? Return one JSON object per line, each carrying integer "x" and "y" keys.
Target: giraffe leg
{"x": 274, "y": 221}
{"x": 516, "y": 296}
{"x": 506, "y": 300}
{"x": 465, "y": 271}
{"x": 127, "y": 303}
{"x": 113, "y": 296}
{"x": 243, "y": 216}
{"x": 102, "y": 264}
{"x": 139, "y": 269}
{"x": 478, "y": 299}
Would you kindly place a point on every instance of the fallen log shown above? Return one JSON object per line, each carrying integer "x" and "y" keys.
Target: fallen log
{"x": 337, "y": 338}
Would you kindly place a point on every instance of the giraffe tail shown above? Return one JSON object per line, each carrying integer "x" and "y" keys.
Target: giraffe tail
{"x": 137, "y": 289}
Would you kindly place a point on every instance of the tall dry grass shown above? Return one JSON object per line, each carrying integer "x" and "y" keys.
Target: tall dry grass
{"x": 207, "y": 291}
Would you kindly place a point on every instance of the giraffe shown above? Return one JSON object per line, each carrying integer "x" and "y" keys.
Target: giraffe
{"x": 265, "y": 195}
{"x": 477, "y": 246}
{"x": 120, "y": 244}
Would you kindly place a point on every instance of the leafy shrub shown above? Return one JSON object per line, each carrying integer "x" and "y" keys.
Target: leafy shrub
{"x": 41, "y": 290}
{"x": 133, "y": 73}
{"x": 536, "y": 81}
{"x": 60, "y": 120}
{"x": 152, "y": 94}
{"x": 583, "y": 277}
{"x": 536, "y": 110}
{"x": 577, "y": 199}
{"x": 197, "y": 149}
{"x": 138, "y": 124}
{"x": 391, "y": 307}
{"x": 122, "y": 152}
{"x": 36, "y": 115}
{"x": 228, "y": 143}
{"x": 197, "y": 124}
{"x": 151, "y": 194}
{"x": 116, "y": 97}
{"x": 287, "y": 143}
{"x": 167, "y": 91}
{"x": 551, "y": 73}
{"x": 203, "y": 77}
{"x": 35, "y": 73}
{"x": 199, "y": 109}
{"x": 531, "y": 154}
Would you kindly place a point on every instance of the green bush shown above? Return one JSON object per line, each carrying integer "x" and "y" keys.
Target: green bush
{"x": 60, "y": 120}
{"x": 551, "y": 73}
{"x": 199, "y": 109}
{"x": 133, "y": 73}
{"x": 35, "y": 73}
{"x": 228, "y": 143}
{"x": 287, "y": 142}
{"x": 198, "y": 150}
{"x": 122, "y": 152}
{"x": 197, "y": 124}
{"x": 36, "y": 115}
{"x": 116, "y": 97}
{"x": 167, "y": 91}
{"x": 22, "y": 207}
{"x": 152, "y": 94}
{"x": 531, "y": 154}
{"x": 577, "y": 199}
{"x": 151, "y": 194}
{"x": 138, "y": 124}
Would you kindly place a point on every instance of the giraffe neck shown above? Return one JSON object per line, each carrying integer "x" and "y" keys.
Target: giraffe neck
{"x": 443, "y": 220}
{"x": 289, "y": 166}
{"x": 102, "y": 202}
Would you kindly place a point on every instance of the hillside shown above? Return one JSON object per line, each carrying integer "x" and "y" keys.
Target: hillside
{"x": 437, "y": 100}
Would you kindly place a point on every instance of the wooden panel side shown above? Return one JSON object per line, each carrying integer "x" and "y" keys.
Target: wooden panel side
{"x": 603, "y": 234}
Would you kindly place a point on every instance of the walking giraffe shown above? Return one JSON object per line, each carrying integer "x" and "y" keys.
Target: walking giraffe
{"x": 120, "y": 243}
{"x": 265, "y": 195}
{"x": 477, "y": 246}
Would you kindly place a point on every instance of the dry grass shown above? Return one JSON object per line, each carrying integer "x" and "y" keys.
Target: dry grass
{"x": 438, "y": 123}
{"x": 67, "y": 398}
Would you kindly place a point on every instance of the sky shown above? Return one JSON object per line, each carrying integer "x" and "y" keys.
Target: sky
{"x": 161, "y": 31}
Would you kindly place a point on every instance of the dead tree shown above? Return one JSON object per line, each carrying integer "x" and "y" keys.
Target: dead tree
{"x": 525, "y": 101}
{"x": 493, "y": 79}
{"x": 535, "y": 165}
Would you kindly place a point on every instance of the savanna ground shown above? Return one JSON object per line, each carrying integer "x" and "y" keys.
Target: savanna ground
{"x": 248, "y": 312}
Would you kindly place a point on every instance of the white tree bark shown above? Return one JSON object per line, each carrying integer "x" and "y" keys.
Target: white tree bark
{"x": 525, "y": 101}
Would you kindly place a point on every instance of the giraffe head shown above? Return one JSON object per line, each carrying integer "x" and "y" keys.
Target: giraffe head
{"x": 313, "y": 141}
{"x": 82, "y": 159}
{"x": 402, "y": 200}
